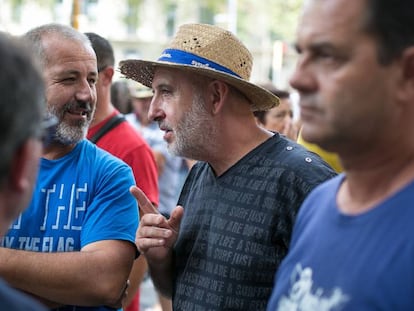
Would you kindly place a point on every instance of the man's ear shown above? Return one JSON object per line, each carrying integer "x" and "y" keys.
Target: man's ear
{"x": 407, "y": 83}
{"x": 107, "y": 75}
{"x": 24, "y": 166}
{"x": 218, "y": 91}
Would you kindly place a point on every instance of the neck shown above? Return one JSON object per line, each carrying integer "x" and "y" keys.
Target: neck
{"x": 371, "y": 182}
{"x": 56, "y": 150}
{"x": 231, "y": 148}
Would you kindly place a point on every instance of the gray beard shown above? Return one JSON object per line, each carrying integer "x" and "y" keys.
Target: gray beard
{"x": 194, "y": 133}
{"x": 68, "y": 135}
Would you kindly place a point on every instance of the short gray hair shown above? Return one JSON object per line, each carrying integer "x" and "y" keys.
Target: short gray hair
{"x": 35, "y": 36}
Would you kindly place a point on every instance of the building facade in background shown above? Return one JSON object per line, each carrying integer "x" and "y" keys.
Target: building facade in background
{"x": 141, "y": 28}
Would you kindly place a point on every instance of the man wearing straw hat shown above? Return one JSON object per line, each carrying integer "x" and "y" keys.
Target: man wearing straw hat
{"x": 222, "y": 244}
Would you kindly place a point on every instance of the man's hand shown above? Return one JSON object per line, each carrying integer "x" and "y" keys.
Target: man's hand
{"x": 156, "y": 235}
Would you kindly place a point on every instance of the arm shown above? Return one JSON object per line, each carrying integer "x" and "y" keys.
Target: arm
{"x": 155, "y": 239}
{"x": 96, "y": 275}
{"x": 135, "y": 278}
{"x": 76, "y": 247}
{"x": 160, "y": 264}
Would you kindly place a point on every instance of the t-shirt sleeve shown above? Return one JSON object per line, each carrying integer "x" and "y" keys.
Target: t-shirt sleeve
{"x": 113, "y": 212}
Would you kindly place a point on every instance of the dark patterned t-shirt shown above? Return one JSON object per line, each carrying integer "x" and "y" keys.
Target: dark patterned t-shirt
{"x": 237, "y": 227}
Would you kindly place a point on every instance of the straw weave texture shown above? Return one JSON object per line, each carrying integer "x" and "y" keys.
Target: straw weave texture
{"x": 220, "y": 47}
{"x": 217, "y": 45}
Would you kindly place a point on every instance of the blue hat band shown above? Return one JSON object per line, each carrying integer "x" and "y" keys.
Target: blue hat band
{"x": 186, "y": 58}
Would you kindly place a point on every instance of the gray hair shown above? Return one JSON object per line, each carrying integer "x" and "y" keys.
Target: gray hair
{"x": 22, "y": 99}
{"x": 35, "y": 36}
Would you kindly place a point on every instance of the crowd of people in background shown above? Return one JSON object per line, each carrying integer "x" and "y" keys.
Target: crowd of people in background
{"x": 188, "y": 174}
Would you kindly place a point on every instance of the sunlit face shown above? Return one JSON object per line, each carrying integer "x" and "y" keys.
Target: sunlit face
{"x": 279, "y": 117}
{"x": 180, "y": 111}
{"x": 70, "y": 77}
{"x": 344, "y": 92}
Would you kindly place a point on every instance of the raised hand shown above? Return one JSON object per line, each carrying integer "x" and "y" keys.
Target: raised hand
{"x": 156, "y": 235}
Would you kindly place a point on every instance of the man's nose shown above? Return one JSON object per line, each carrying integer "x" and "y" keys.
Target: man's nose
{"x": 155, "y": 112}
{"x": 86, "y": 92}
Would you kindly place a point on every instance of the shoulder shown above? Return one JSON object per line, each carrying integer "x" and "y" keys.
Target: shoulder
{"x": 125, "y": 143}
{"x": 331, "y": 158}
{"x": 97, "y": 157}
{"x": 321, "y": 197}
{"x": 198, "y": 169}
{"x": 288, "y": 151}
{"x": 287, "y": 158}
{"x": 328, "y": 188}
{"x": 197, "y": 175}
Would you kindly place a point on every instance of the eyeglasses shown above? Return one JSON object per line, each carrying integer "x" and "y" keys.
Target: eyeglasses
{"x": 48, "y": 128}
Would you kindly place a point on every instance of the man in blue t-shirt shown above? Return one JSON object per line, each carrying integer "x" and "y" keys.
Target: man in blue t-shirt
{"x": 352, "y": 246}
{"x": 73, "y": 248}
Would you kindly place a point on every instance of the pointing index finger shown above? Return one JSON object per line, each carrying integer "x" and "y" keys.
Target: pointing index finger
{"x": 144, "y": 203}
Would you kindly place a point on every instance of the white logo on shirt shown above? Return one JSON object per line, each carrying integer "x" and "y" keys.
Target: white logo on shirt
{"x": 302, "y": 298}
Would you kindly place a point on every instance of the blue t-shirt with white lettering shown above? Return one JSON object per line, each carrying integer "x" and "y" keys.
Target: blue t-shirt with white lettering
{"x": 343, "y": 262}
{"x": 79, "y": 199}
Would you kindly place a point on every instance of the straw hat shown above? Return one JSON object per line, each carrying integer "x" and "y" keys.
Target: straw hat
{"x": 210, "y": 51}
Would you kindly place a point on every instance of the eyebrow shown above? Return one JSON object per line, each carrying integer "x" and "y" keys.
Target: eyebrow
{"x": 316, "y": 46}
{"x": 74, "y": 71}
{"x": 321, "y": 45}
{"x": 161, "y": 85}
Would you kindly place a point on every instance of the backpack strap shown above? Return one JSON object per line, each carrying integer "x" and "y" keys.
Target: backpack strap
{"x": 112, "y": 122}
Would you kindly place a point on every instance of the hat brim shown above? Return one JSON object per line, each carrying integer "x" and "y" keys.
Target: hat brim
{"x": 141, "y": 94}
{"x": 143, "y": 72}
